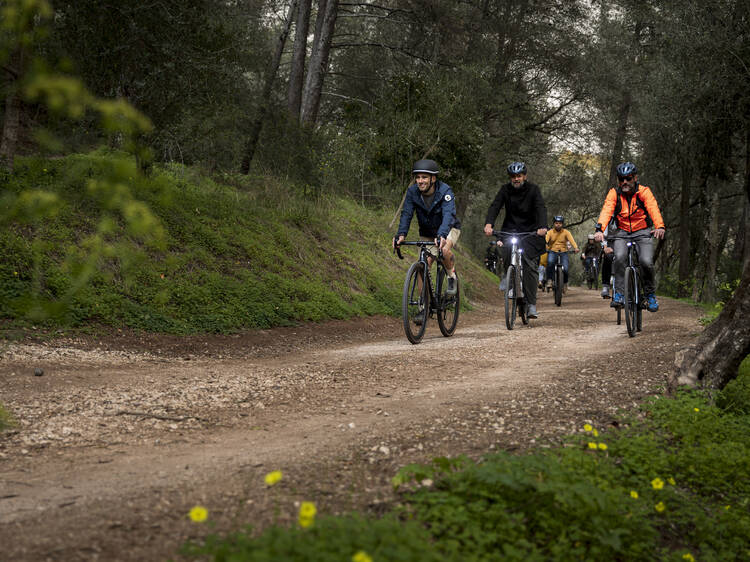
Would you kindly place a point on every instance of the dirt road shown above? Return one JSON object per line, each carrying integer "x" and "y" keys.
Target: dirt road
{"x": 121, "y": 435}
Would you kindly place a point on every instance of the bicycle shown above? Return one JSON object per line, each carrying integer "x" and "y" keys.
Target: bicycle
{"x": 515, "y": 304}
{"x": 592, "y": 274}
{"x": 558, "y": 278}
{"x": 420, "y": 300}
{"x": 633, "y": 293}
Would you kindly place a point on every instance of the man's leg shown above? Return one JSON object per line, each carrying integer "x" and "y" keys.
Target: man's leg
{"x": 646, "y": 259}
{"x": 551, "y": 261}
{"x": 565, "y": 261}
{"x": 621, "y": 256}
{"x": 529, "y": 279}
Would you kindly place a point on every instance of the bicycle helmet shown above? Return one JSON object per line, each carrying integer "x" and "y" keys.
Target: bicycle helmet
{"x": 626, "y": 169}
{"x": 591, "y": 236}
{"x": 516, "y": 168}
{"x": 558, "y": 218}
{"x": 425, "y": 167}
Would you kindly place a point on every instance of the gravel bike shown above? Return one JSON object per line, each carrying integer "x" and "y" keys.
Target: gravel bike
{"x": 558, "y": 278}
{"x": 592, "y": 274}
{"x": 634, "y": 300}
{"x": 422, "y": 299}
{"x": 515, "y": 303}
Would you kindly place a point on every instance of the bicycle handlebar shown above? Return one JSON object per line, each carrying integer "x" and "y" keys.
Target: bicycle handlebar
{"x": 421, "y": 243}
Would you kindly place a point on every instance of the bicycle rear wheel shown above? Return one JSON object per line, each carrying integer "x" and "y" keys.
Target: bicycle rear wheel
{"x": 449, "y": 304}
{"x": 511, "y": 292}
{"x": 415, "y": 303}
{"x": 558, "y": 285}
{"x": 631, "y": 301}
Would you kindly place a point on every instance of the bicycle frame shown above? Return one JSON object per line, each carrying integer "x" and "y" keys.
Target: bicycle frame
{"x": 634, "y": 303}
{"x": 428, "y": 299}
{"x": 514, "y": 299}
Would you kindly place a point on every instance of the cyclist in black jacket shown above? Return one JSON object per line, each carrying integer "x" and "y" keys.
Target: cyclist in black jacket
{"x": 525, "y": 211}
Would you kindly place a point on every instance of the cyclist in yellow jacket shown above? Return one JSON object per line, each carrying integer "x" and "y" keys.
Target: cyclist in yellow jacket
{"x": 631, "y": 205}
{"x": 557, "y": 248}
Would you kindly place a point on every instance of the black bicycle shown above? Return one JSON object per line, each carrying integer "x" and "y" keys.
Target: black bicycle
{"x": 515, "y": 304}
{"x": 592, "y": 273}
{"x": 421, "y": 299}
{"x": 558, "y": 278}
{"x": 634, "y": 300}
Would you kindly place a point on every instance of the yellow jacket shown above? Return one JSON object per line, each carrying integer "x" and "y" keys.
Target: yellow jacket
{"x": 557, "y": 241}
{"x": 543, "y": 259}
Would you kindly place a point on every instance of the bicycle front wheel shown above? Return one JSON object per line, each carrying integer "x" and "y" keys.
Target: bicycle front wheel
{"x": 449, "y": 305}
{"x": 415, "y": 303}
{"x": 511, "y": 292}
{"x": 631, "y": 301}
{"x": 559, "y": 284}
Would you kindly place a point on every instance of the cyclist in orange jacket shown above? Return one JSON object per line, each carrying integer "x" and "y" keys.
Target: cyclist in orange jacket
{"x": 631, "y": 205}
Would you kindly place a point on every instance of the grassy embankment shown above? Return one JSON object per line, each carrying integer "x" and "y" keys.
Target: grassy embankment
{"x": 243, "y": 253}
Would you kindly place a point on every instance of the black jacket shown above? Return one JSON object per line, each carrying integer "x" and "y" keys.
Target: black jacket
{"x": 525, "y": 211}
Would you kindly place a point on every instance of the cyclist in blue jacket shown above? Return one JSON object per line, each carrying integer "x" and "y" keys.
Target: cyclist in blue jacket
{"x": 435, "y": 205}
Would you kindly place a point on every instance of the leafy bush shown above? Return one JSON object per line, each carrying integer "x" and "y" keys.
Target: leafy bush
{"x": 735, "y": 396}
{"x": 673, "y": 486}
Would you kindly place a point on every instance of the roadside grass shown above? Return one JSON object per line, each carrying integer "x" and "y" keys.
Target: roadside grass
{"x": 6, "y": 421}
{"x": 670, "y": 482}
{"x": 235, "y": 253}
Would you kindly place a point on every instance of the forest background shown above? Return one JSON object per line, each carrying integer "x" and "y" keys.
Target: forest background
{"x": 341, "y": 97}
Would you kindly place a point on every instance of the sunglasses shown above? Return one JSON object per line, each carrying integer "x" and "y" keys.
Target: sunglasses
{"x": 624, "y": 178}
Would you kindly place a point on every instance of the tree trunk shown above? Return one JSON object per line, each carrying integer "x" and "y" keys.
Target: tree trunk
{"x": 297, "y": 72}
{"x": 620, "y": 131}
{"x": 265, "y": 100}
{"x": 714, "y": 359}
{"x": 324, "y": 26}
{"x": 12, "y": 114}
{"x": 712, "y": 244}
{"x": 683, "y": 271}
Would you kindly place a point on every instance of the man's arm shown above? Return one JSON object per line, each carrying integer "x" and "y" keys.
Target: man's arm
{"x": 493, "y": 211}
{"x": 407, "y": 212}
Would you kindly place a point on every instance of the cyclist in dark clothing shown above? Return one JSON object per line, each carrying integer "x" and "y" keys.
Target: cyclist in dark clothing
{"x": 434, "y": 204}
{"x": 525, "y": 211}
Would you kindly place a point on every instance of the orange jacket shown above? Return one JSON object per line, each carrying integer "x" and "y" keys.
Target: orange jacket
{"x": 632, "y": 216}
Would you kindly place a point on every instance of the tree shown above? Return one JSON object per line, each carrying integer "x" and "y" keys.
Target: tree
{"x": 321, "y": 49}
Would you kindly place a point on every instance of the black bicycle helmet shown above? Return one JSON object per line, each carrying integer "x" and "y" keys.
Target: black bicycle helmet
{"x": 425, "y": 167}
{"x": 558, "y": 218}
{"x": 626, "y": 169}
{"x": 516, "y": 168}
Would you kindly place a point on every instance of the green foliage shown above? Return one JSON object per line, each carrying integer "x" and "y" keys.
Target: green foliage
{"x": 673, "y": 486}
{"x": 179, "y": 252}
{"x": 6, "y": 420}
{"x": 735, "y": 396}
{"x": 329, "y": 539}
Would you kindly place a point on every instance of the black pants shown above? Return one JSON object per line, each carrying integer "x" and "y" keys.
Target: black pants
{"x": 606, "y": 262}
{"x": 530, "y": 273}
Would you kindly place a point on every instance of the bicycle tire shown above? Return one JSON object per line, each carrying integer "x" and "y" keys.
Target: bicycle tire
{"x": 510, "y": 302}
{"x": 520, "y": 299}
{"x": 449, "y": 305}
{"x": 631, "y": 304}
{"x": 558, "y": 285}
{"x": 413, "y": 302}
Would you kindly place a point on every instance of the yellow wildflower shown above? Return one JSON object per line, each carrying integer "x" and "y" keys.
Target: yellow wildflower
{"x": 660, "y": 507}
{"x": 307, "y": 513}
{"x": 361, "y": 556}
{"x": 587, "y": 427}
{"x": 592, "y": 445}
{"x": 273, "y": 477}
{"x": 689, "y": 557}
{"x": 595, "y": 433}
{"x": 671, "y": 481}
{"x": 603, "y": 446}
{"x": 198, "y": 514}
{"x": 696, "y": 409}
{"x": 634, "y": 494}
{"x": 657, "y": 483}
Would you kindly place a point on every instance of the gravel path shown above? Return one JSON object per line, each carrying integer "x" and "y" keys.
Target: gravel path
{"x": 122, "y": 434}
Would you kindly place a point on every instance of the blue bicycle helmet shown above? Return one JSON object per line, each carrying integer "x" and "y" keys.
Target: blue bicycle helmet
{"x": 516, "y": 168}
{"x": 626, "y": 169}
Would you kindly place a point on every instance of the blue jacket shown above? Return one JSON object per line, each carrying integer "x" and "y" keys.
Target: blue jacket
{"x": 434, "y": 222}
